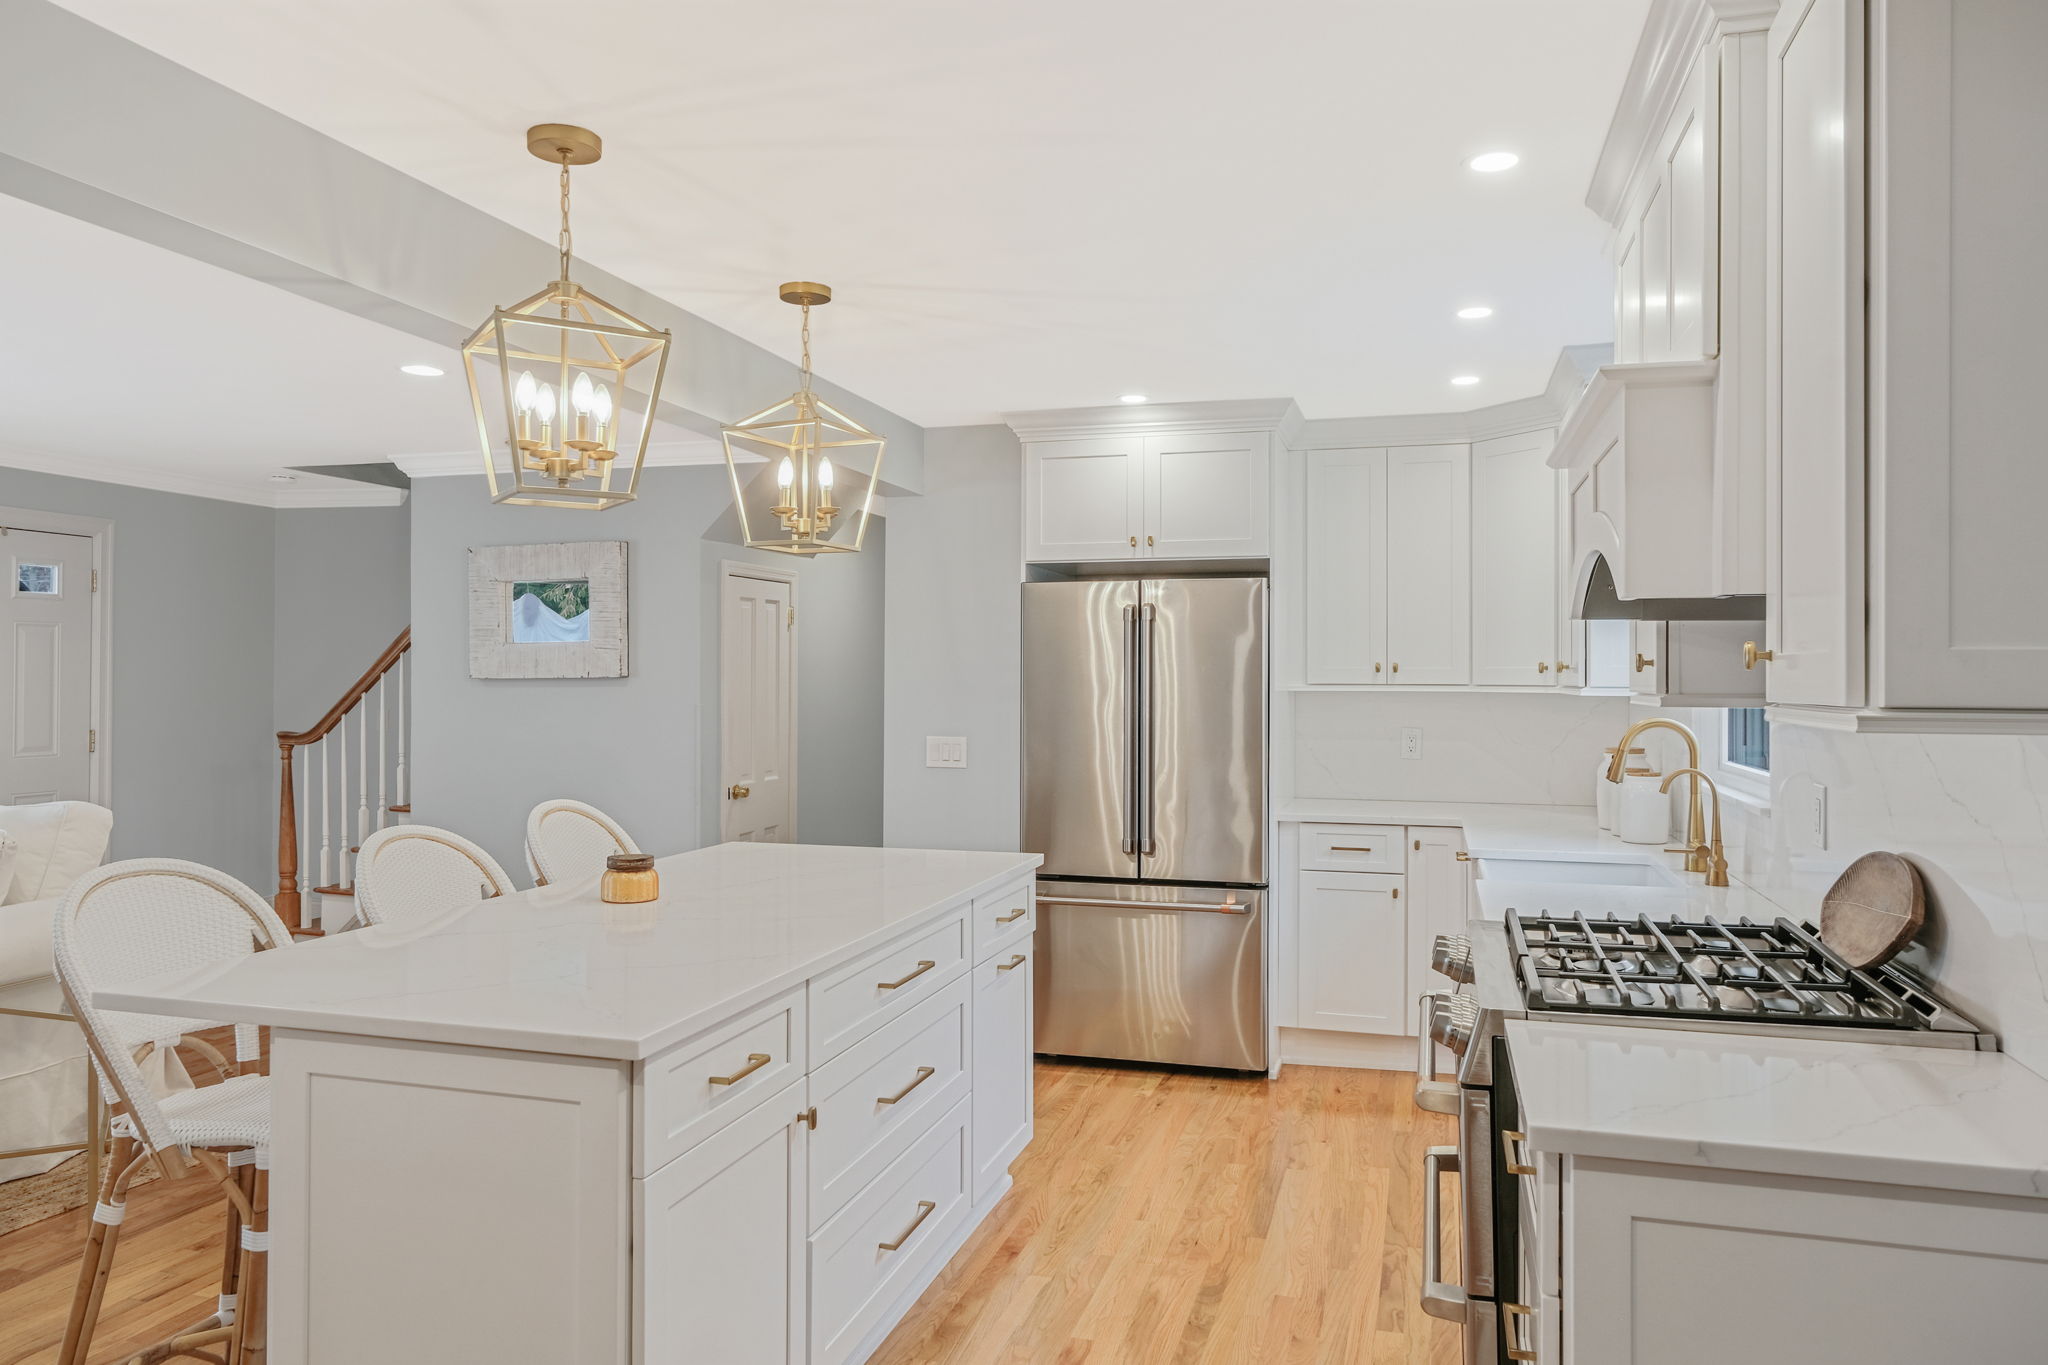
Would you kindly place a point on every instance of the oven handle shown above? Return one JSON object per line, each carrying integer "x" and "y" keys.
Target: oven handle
{"x": 1438, "y": 1097}
{"x": 1439, "y": 1300}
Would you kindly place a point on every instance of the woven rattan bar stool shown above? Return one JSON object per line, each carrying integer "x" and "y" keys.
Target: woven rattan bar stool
{"x": 408, "y": 872}
{"x": 567, "y": 841}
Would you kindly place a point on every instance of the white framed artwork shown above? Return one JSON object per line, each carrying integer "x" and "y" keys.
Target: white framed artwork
{"x": 548, "y": 611}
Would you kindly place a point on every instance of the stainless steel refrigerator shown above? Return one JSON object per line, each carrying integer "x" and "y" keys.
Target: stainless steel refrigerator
{"x": 1145, "y": 790}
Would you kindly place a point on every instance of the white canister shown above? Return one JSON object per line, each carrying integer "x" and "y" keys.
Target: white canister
{"x": 1605, "y": 792}
{"x": 1642, "y": 812}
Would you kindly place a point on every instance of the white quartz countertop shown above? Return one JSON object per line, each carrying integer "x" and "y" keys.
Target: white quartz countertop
{"x": 557, "y": 970}
{"x": 1693, "y": 901}
{"x": 1898, "y": 1115}
{"x": 1526, "y": 821}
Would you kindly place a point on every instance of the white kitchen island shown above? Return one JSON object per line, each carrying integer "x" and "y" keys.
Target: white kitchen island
{"x": 746, "y": 1124}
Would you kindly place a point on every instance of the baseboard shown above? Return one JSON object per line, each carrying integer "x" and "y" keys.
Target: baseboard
{"x": 1361, "y": 1051}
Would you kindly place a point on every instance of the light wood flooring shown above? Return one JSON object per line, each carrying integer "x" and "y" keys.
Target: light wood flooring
{"x": 1157, "y": 1217}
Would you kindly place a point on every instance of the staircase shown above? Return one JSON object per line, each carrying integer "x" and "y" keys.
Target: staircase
{"x": 353, "y": 782}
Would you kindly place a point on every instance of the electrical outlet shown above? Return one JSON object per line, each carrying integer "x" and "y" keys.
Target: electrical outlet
{"x": 1411, "y": 741}
{"x": 945, "y": 751}
{"x": 1814, "y": 807}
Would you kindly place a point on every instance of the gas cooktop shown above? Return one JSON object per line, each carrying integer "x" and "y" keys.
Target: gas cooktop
{"x": 1706, "y": 969}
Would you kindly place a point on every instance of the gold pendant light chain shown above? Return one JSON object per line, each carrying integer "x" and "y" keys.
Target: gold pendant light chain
{"x": 807, "y": 349}
{"x": 563, "y": 240}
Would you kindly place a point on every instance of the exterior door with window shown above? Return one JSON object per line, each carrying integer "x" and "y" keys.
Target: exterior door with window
{"x": 757, "y": 707}
{"x": 46, "y": 667}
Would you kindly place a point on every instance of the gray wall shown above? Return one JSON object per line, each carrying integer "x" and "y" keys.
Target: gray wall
{"x": 643, "y": 747}
{"x": 953, "y": 644}
{"x": 343, "y": 593}
{"x": 194, "y": 758}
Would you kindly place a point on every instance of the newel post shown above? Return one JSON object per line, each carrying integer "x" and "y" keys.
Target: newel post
{"x": 287, "y": 901}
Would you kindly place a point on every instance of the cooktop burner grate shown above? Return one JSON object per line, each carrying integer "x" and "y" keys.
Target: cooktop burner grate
{"x": 1708, "y": 969}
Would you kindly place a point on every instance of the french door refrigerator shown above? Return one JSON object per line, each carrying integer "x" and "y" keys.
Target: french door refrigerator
{"x": 1145, "y": 790}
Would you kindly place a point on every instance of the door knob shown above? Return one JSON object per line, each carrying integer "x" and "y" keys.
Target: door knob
{"x": 738, "y": 793}
{"x": 1752, "y": 656}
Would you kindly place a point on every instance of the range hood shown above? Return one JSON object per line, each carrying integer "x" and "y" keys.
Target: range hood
{"x": 1651, "y": 529}
{"x": 1599, "y": 602}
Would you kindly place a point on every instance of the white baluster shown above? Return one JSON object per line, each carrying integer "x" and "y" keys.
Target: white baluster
{"x": 345, "y": 862}
{"x": 404, "y": 784}
{"x": 304, "y": 812}
{"x": 383, "y": 763}
{"x": 326, "y": 816}
{"x": 362, "y": 774}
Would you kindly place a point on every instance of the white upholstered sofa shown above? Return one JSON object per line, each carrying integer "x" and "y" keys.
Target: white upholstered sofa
{"x": 43, "y": 850}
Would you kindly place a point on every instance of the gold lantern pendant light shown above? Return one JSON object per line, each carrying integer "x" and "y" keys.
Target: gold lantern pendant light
{"x": 563, "y": 382}
{"x": 799, "y": 511}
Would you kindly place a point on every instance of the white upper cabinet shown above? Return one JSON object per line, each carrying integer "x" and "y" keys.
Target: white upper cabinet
{"x": 1140, "y": 494}
{"x": 1084, "y": 499}
{"x": 1514, "y": 563}
{"x": 1344, "y": 568}
{"x": 1206, "y": 496}
{"x": 1429, "y": 564}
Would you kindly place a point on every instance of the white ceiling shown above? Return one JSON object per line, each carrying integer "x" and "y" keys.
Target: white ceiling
{"x": 1021, "y": 203}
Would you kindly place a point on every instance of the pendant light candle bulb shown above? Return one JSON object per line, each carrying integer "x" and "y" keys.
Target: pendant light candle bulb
{"x": 581, "y": 395}
{"x": 601, "y": 409}
{"x": 825, "y": 474}
{"x": 787, "y": 474}
{"x": 526, "y": 393}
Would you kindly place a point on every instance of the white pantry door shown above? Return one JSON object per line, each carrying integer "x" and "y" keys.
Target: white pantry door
{"x": 46, "y": 629}
{"x": 757, "y": 705}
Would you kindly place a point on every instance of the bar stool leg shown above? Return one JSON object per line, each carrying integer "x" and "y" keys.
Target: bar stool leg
{"x": 97, "y": 1260}
{"x": 231, "y": 1261}
{"x": 253, "y": 1312}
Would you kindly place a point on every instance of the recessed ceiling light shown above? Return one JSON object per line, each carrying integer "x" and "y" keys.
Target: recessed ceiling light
{"x": 1465, "y": 380}
{"x": 1480, "y": 311}
{"x": 1133, "y": 398}
{"x": 284, "y": 478}
{"x": 423, "y": 371}
{"x": 1489, "y": 162}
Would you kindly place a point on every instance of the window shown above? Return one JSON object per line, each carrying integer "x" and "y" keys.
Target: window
{"x": 36, "y": 580}
{"x": 1745, "y": 764}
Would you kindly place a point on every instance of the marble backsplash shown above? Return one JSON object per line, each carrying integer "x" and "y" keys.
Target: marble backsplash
{"x": 1519, "y": 748}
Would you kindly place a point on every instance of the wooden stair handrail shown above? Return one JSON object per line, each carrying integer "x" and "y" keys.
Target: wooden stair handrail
{"x": 385, "y": 663}
{"x": 286, "y": 902}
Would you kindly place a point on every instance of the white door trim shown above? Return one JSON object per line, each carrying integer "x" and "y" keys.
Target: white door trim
{"x": 766, "y": 573}
{"x": 100, "y": 531}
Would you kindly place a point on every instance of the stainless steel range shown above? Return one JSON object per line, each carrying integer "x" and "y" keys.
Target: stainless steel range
{"x": 1705, "y": 974}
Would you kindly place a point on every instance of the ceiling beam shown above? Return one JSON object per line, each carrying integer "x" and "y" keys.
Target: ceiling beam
{"x": 111, "y": 133}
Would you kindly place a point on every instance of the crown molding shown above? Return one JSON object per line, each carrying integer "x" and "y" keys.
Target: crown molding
{"x": 1278, "y": 415}
{"x": 443, "y": 464}
{"x": 99, "y": 470}
{"x": 1673, "y": 36}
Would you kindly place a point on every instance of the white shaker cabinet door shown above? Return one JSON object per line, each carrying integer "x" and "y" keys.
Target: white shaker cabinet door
{"x": 1206, "y": 496}
{"x": 1439, "y": 897}
{"x": 720, "y": 1257}
{"x": 1083, "y": 499}
{"x": 1429, "y": 564}
{"x": 1002, "y": 1064}
{"x": 1514, "y": 562}
{"x": 1344, "y": 567}
{"x": 1814, "y": 390}
{"x": 1353, "y": 953}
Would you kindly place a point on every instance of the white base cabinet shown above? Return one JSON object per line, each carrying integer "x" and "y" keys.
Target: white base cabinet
{"x": 1362, "y": 938}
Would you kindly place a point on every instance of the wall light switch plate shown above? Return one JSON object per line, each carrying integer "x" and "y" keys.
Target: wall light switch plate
{"x": 945, "y": 751}
{"x": 1814, "y": 814}
{"x": 1411, "y": 741}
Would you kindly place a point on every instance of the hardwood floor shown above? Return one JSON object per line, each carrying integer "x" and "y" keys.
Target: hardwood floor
{"x": 1157, "y": 1217}
{"x": 1169, "y": 1217}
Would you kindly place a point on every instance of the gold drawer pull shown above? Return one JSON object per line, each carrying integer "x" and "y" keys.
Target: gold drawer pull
{"x": 1462, "y": 856}
{"x": 1508, "y": 1138}
{"x": 922, "y": 968}
{"x": 1016, "y": 961}
{"x": 755, "y": 1061}
{"x": 924, "y": 1211}
{"x": 1348, "y": 848}
{"x": 924, "y": 1073}
{"x": 1513, "y": 1315}
{"x": 1019, "y": 913}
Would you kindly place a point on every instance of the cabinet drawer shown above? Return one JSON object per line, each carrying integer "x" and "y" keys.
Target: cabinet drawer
{"x": 878, "y": 1096}
{"x": 854, "y": 1000}
{"x": 864, "y": 1258}
{"x": 687, "y": 1093}
{"x": 1353, "y": 848}
{"x": 1002, "y": 919}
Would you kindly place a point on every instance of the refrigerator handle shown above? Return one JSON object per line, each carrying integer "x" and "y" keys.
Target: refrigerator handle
{"x": 1148, "y": 616}
{"x": 1131, "y": 712}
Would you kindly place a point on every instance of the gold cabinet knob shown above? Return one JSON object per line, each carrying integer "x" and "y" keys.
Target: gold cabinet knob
{"x": 1148, "y": 540}
{"x": 1394, "y": 667}
{"x": 1642, "y": 663}
{"x": 1542, "y": 667}
{"x": 738, "y": 793}
{"x": 1751, "y": 655}
{"x": 1134, "y": 542}
{"x": 1375, "y": 668}
{"x": 1563, "y": 667}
